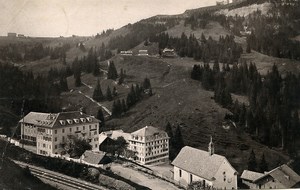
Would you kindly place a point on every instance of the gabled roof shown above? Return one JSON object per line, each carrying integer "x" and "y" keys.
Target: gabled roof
{"x": 57, "y": 120}
{"x": 94, "y": 157}
{"x": 285, "y": 175}
{"x": 148, "y": 131}
{"x": 199, "y": 162}
{"x": 250, "y": 175}
{"x": 40, "y": 119}
{"x": 102, "y": 138}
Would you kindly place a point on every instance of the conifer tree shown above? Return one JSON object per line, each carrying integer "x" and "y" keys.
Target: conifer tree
{"x": 178, "y": 139}
{"x": 112, "y": 71}
{"x": 100, "y": 116}
{"x": 263, "y": 165}
{"x": 252, "y": 162}
{"x": 124, "y": 106}
{"x": 108, "y": 94}
{"x": 98, "y": 95}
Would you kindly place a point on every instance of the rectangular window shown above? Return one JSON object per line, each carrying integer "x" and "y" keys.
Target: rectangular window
{"x": 180, "y": 173}
{"x": 83, "y": 128}
{"x": 63, "y": 130}
{"x": 63, "y": 138}
{"x": 55, "y": 147}
{"x": 90, "y": 127}
{"x": 77, "y": 129}
{"x": 70, "y": 129}
{"x": 55, "y": 139}
{"x": 95, "y": 132}
{"x": 191, "y": 178}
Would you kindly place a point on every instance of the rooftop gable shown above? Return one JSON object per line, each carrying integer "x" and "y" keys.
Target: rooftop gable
{"x": 148, "y": 131}
{"x": 199, "y": 162}
{"x": 284, "y": 174}
{"x": 57, "y": 120}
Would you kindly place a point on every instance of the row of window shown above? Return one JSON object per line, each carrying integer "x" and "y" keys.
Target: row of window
{"x": 31, "y": 138}
{"x": 156, "y": 157}
{"x": 29, "y": 130}
{"x": 43, "y": 145}
{"x": 77, "y": 129}
{"x": 156, "y": 152}
{"x": 156, "y": 142}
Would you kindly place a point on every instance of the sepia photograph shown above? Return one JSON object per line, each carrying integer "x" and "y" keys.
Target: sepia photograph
{"x": 149, "y": 95}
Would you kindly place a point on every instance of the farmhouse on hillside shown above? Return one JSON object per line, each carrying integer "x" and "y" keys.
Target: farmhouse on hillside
{"x": 49, "y": 131}
{"x": 282, "y": 177}
{"x": 210, "y": 169}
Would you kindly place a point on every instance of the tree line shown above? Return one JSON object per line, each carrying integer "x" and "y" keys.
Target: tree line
{"x": 25, "y": 52}
{"x": 272, "y": 114}
{"x": 225, "y": 50}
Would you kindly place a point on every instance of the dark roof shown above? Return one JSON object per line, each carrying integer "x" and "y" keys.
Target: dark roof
{"x": 94, "y": 157}
{"x": 199, "y": 162}
{"x": 56, "y": 120}
{"x": 285, "y": 175}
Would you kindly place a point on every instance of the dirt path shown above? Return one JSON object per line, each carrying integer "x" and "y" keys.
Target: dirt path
{"x": 100, "y": 105}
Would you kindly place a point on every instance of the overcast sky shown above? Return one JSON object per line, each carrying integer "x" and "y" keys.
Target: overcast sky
{"x": 82, "y": 17}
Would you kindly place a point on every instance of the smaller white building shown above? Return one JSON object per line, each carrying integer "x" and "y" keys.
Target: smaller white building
{"x": 150, "y": 144}
{"x": 213, "y": 170}
{"x": 143, "y": 53}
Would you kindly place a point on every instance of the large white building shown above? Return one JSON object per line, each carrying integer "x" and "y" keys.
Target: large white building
{"x": 49, "y": 131}
{"x": 213, "y": 170}
{"x": 150, "y": 144}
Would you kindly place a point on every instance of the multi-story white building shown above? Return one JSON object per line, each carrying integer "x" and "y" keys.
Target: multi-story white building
{"x": 50, "y": 131}
{"x": 150, "y": 144}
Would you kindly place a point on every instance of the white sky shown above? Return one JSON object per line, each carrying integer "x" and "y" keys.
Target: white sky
{"x": 82, "y": 17}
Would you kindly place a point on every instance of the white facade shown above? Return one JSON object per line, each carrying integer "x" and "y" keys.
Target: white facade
{"x": 150, "y": 144}
{"x": 213, "y": 170}
{"x": 51, "y": 131}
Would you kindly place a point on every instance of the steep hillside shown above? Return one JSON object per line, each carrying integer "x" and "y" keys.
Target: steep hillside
{"x": 14, "y": 177}
{"x": 247, "y": 10}
{"x": 213, "y": 29}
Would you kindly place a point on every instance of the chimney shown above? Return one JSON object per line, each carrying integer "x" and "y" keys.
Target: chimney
{"x": 211, "y": 147}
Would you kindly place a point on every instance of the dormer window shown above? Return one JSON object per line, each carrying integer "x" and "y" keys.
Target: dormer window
{"x": 62, "y": 122}
{"x": 76, "y": 120}
{"x": 89, "y": 119}
{"x": 83, "y": 120}
{"x": 69, "y": 121}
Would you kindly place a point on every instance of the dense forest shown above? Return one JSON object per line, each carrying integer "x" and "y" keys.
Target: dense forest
{"x": 39, "y": 93}
{"x": 272, "y": 114}
{"x": 25, "y": 52}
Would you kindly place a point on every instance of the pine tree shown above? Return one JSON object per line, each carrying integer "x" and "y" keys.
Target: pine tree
{"x": 112, "y": 71}
{"x": 178, "y": 140}
{"x": 252, "y": 162}
{"x": 98, "y": 95}
{"x": 63, "y": 84}
{"x": 124, "y": 106}
{"x": 78, "y": 79}
{"x": 169, "y": 131}
{"x": 96, "y": 71}
{"x": 100, "y": 116}
{"x": 108, "y": 94}
{"x": 263, "y": 165}
{"x": 146, "y": 84}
